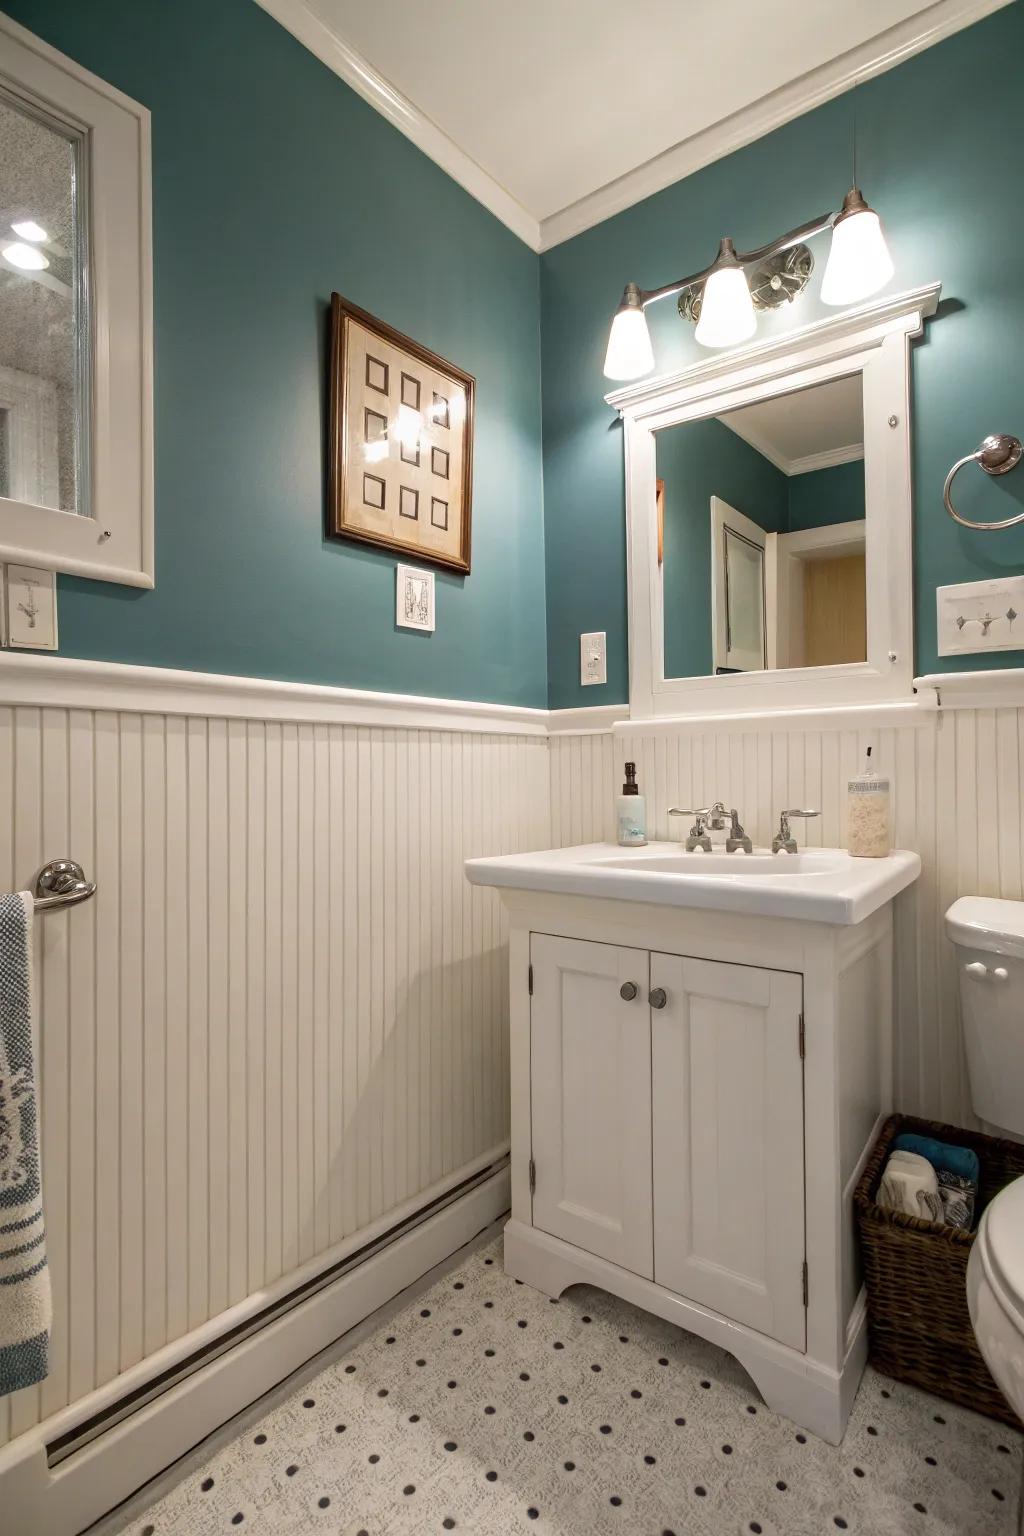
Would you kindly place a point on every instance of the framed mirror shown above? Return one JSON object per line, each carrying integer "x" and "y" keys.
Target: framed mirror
{"x": 76, "y": 491}
{"x": 769, "y": 521}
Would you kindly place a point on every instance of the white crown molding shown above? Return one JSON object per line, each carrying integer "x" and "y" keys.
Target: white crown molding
{"x": 1000, "y": 688}
{"x": 874, "y": 57}
{"x": 63, "y": 682}
{"x": 899, "y": 310}
{"x": 350, "y": 66}
{"x": 829, "y": 458}
{"x": 811, "y": 90}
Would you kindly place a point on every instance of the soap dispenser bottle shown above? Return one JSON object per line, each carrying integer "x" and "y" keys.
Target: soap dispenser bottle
{"x": 868, "y": 820}
{"x": 631, "y": 812}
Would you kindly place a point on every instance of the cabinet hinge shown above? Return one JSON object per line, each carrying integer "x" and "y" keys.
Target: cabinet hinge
{"x": 529, "y": 979}
{"x": 533, "y": 1176}
{"x": 803, "y": 1040}
{"x": 805, "y": 1285}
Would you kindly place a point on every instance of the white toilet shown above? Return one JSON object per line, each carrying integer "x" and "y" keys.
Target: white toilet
{"x": 989, "y": 936}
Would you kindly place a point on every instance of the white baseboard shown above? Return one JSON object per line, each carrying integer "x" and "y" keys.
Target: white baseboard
{"x": 38, "y": 1500}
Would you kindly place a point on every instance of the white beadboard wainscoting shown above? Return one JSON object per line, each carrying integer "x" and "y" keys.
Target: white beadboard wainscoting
{"x": 957, "y": 778}
{"x": 280, "y": 1027}
{"x": 283, "y": 1015}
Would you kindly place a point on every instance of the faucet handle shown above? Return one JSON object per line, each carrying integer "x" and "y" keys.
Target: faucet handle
{"x": 784, "y": 841}
{"x": 698, "y": 834}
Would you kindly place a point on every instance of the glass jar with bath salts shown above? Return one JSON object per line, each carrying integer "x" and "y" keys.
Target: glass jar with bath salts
{"x": 868, "y": 820}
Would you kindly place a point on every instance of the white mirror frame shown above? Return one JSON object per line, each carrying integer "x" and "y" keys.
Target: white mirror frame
{"x": 873, "y": 339}
{"x": 114, "y": 543}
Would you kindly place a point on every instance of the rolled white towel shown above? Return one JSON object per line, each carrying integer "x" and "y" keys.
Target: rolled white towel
{"x": 909, "y": 1184}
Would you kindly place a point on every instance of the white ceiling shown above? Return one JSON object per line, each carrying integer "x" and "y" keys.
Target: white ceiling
{"x": 557, "y": 112}
{"x": 811, "y": 429}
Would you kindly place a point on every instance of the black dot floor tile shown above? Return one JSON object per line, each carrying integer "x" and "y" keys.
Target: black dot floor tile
{"x": 480, "y": 1408}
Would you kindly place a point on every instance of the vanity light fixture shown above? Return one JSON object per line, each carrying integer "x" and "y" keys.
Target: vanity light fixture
{"x": 25, "y": 256}
{"x": 722, "y": 299}
{"x": 858, "y": 260}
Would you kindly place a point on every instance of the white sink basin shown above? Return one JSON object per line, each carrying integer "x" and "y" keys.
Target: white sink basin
{"x": 823, "y": 885}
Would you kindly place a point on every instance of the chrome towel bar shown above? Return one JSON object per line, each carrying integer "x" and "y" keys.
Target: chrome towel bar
{"x": 997, "y": 455}
{"x": 61, "y": 883}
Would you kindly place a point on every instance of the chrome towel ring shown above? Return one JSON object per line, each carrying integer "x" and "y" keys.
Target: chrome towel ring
{"x": 997, "y": 455}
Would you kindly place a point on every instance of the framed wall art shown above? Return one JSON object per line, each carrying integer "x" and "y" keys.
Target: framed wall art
{"x": 414, "y": 598}
{"x": 401, "y": 449}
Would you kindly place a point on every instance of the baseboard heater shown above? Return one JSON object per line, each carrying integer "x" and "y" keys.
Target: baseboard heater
{"x": 64, "y": 1446}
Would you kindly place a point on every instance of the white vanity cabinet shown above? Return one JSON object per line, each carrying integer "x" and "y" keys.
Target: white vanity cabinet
{"x": 668, "y": 1137}
{"x": 694, "y": 1095}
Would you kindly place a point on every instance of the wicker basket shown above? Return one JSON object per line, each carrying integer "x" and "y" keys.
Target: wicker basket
{"x": 919, "y": 1328}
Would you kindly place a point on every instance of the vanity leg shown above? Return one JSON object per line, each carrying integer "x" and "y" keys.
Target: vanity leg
{"x": 813, "y": 1395}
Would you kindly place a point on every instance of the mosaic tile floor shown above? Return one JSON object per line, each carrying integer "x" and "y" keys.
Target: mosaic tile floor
{"x": 482, "y": 1407}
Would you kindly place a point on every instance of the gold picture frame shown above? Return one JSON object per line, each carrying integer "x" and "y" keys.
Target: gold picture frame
{"x": 401, "y": 442}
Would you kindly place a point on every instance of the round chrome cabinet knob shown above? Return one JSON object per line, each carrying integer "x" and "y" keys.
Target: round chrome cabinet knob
{"x": 658, "y": 997}
{"x": 628, "y": 991}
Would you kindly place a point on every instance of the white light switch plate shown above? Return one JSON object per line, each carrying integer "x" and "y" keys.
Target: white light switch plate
{"x": 593, "y": 664}
{"x": 981, "y": 616}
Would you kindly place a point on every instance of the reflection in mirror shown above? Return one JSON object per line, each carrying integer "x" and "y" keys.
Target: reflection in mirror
{"x": 42, "y": 326}
{"x": 763, "y": 534}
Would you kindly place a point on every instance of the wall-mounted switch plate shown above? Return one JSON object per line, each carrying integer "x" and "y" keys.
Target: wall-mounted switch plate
{"x": 981, "y": 616}
{"x": 31, "y": 604}
{"x": 593, "y": 663}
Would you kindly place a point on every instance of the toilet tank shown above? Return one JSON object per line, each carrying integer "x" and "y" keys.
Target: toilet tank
{"x": 989, "y": 938}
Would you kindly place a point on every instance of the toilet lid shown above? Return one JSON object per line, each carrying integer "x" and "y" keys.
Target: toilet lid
{"x": 987, "y": 922}
{"x": 1004, "y": 1241}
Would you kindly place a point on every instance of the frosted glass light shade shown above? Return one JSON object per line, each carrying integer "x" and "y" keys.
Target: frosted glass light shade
{"x": 629, "y": 354}
{"x": 858, "y": 261}
{"x": 726, "y": 309}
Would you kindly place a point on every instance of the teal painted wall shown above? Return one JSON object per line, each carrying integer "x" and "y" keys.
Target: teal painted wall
{"x": 934, "y": 136}
{"x": 823, "y": 496}
{"x": 698, "y": 460}
{"x": 272, "y": 185}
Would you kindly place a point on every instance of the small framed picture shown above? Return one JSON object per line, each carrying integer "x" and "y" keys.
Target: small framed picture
{"x": 414, "y": 598}
{"x": 31, "y": 601}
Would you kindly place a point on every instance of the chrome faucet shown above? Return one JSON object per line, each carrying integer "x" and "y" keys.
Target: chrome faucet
{"x": 697, "y": 836}
{"x": 716, "y": 818}
{"x": 784, "y": 841}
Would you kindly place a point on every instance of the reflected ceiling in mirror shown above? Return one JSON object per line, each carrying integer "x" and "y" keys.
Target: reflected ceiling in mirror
{"x": 761, "y": 534}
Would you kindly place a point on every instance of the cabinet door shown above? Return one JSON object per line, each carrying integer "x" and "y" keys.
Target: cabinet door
{"x": 729, "y": 1141}
{"x": 590, "y": 1071}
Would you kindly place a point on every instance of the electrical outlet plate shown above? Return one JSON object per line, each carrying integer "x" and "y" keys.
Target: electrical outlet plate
{"x": 593, "y": 663}
{"x": 976, "y": 616}
{"x": 31, "y": 603}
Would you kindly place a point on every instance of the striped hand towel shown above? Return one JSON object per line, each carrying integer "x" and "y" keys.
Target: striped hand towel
{"x": 25, "y": 1309}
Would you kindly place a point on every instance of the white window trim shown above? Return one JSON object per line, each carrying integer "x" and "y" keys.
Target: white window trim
{"x": 873, "y": 339}
{"x": 115, "y": 543}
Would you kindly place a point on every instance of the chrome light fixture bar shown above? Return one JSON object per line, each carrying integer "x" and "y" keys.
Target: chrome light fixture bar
{"x": 719, "y": 297}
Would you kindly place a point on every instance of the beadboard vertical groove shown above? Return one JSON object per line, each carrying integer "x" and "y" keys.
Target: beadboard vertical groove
{"x": 957, "y": 785}
{"x": 283, "y": 1014}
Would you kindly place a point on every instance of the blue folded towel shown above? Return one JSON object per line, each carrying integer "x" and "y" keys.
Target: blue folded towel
{"x": 944, "y": 1159}
{"x": 25, "y": 1309}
